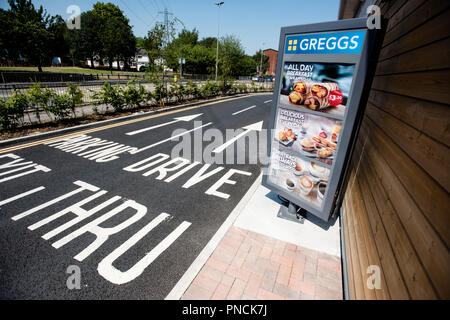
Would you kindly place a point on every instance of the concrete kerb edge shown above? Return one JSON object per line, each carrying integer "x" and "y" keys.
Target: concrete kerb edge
{"x": 183, "y": 284}
{"x": 5, "y": 143}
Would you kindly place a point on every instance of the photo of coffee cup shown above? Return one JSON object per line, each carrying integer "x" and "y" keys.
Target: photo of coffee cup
{"x": 306, "y": 185}
{"x": 290, "y": 184}
{"x": 321, "y": 188}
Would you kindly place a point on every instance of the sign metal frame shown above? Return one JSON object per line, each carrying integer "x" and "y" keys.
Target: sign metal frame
{"x": 357, "y": 99}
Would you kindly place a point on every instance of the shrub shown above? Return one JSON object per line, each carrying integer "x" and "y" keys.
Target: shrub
{"x": 242, "y": 88}
{"x": 39, "y": 100}
{"x": 60, "y": 106}
{"x": 179, "y": 92}
{"x": 210, "y": 89}
{"x": 110, "y": 96}
{"x": 192, "y": 90}
{"x": 12, "y": 111}
{"x": 134, "y": 95}
{"x": 75, "y": 95}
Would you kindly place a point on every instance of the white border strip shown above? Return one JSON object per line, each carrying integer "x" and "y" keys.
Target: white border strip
{"x": 182, "y": 285}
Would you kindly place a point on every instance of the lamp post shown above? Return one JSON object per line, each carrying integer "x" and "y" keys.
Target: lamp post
{"x": 260, "y": 66}
{"x": 219, "y": 4}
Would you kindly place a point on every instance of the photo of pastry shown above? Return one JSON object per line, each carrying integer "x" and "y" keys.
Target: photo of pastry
{"x": 320, "y": 87}
{"x": 312, "y": 136}
{"x": 304, "y": 179}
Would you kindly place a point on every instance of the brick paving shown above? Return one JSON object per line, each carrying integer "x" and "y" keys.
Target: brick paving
{"x": 251, "y": 266}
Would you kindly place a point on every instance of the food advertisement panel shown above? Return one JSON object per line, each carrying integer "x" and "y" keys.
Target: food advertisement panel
{"x": 304, "y": 179}
{"x": 309, "y": 135}
{"x": 322, "y": 87}
{"x": 320, "y": 91}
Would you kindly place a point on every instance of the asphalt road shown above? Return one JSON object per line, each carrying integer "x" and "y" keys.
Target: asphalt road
{"x": 131, "y": 232}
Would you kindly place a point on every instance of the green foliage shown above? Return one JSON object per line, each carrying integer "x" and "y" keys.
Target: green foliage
{"x": 134, "y": 95}
{"x": 34, "y": 34}
{"x": 60, "y": 106}
{"x": 110, "y": 96}
{"x": 210, "y": 89}
{"x": 12, "y": 111}
{"x": 75, "y": 96}
{"x": 192, "y": 90}
{"x": 39, "y": 100}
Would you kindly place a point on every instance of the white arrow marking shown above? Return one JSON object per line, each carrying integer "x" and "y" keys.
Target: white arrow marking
{"x": 169, "y": 139}
{"x": 243, "y": 110}
{"x": 256, "y": 127}
{"x": 187, "y": 118}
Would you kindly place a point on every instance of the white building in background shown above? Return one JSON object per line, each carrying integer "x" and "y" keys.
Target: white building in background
{"x": 140, "y": 62}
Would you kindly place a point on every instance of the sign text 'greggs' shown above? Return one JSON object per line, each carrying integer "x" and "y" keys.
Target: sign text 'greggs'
{"x": 326, "y": 43}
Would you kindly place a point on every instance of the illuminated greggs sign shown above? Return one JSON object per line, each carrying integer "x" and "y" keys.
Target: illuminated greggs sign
{"x": 349, "y": 42}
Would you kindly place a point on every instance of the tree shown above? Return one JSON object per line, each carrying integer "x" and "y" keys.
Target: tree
{"x": 9, "y": 43}
{"x": 231, "y": 55}
{"x": 41, "y": 35}
{"x": 154, "y": 43}
{"x": 115, "y": 33}
{"x": 86, "y": 42}
{"x": 209, "y": 42}
{"x": 265, "y": 61}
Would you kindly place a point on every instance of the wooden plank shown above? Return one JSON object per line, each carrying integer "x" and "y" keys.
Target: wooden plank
{"x": 369, "y": 294}
{"x": 368, "y": 240}
{"x": 434, "y": 56}
{"x": 348, "y": 251}
{"x": 433, "y": 254}
{"x": 358, "y": 280}
{"x": 393, "y": 279}
{"x": 414, "y": 37}
{"x": 406, "y": 9}
{"x": 413, "y": 272}
{"x": 393, "y": 8}
{"x": 428, "y": 85}
{"x": 431, "y": 199}
{"x": 432, "y": 156}
{"x": 427, "y": 117}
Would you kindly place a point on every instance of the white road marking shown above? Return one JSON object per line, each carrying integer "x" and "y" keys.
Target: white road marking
{"x": 267, "y": 101}
{"x": 22, "y": 195}
{"x": 169, "y": 139}
{"x": 243, "y": 110}
{"x": 180, "y": 288}
{"x": 186, "y": 118}
{"x": 114, "y": 275}
{"x": 255, "y": 126}
{"x": 83, "y": 186}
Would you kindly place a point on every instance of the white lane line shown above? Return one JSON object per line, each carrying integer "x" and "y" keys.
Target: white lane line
{"x": 22, "y": 195}
{"x": 186, "y": 118}
{"x": 255, "y": 126}
{"x": 267, "y": 101}
{"x": 169, "y": 139}
{"x": 243, "y": 110}
{"x": 180, "y": 288}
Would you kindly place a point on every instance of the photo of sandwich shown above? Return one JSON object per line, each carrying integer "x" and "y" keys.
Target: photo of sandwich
{"x": 320, "y": 87}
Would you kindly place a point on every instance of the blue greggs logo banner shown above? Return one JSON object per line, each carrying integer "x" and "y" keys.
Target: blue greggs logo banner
{"x": 349, "y": 42}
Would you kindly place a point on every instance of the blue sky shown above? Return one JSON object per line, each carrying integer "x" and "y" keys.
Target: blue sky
{"x": 254, "y": 22}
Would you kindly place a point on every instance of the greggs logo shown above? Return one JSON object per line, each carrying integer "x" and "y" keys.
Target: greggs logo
{"x": 326, "y": 43}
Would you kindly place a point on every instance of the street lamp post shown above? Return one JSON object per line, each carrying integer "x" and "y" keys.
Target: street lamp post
{"x": 219, "y": 4}
{"x": 260, "y": 65}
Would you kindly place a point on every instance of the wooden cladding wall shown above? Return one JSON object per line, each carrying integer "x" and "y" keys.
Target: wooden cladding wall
{"x": 396, "y": 208}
